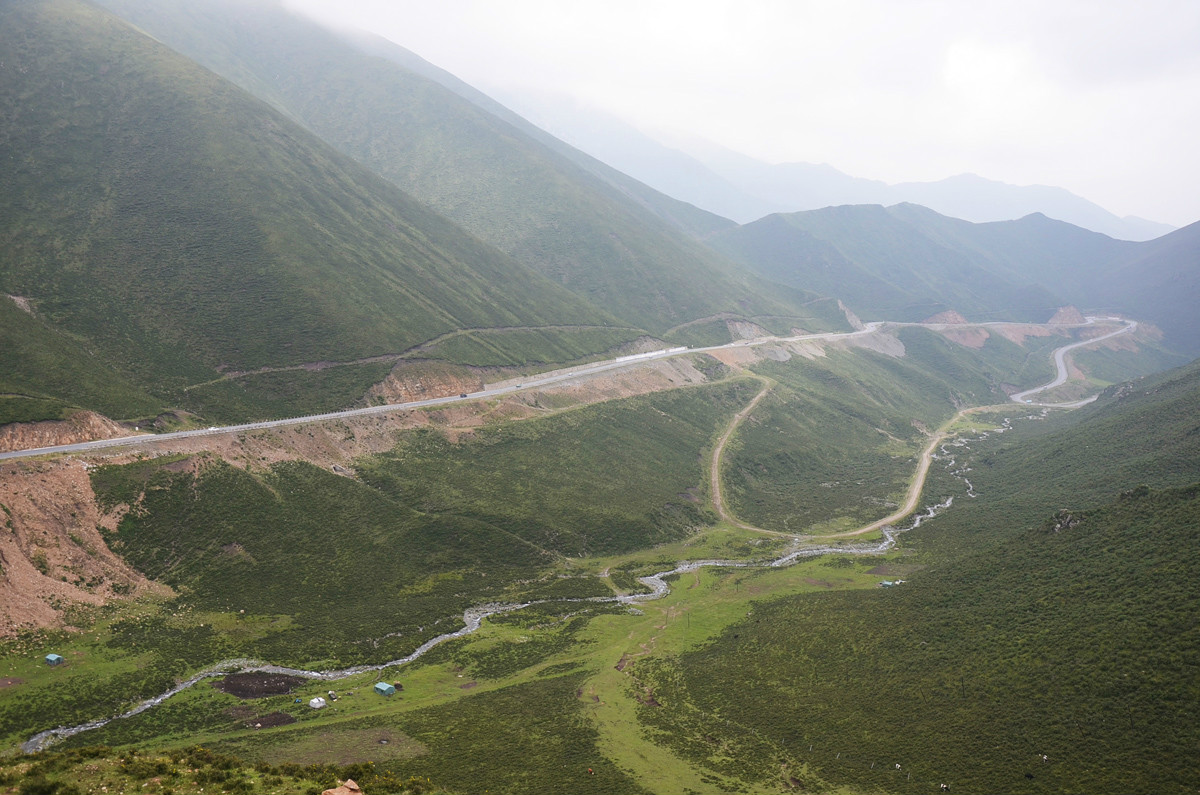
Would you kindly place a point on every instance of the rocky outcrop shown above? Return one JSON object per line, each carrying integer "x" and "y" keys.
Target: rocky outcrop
{"x": 82, "y": 426}
{"x": 421, "y": 380}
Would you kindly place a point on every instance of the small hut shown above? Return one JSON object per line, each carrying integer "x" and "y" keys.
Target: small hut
{"x": 384, "y": 689}
{"x": 317, "y": 703}
{"x": 54, "y": 659}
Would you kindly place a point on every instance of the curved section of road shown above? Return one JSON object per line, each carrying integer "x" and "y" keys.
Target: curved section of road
{"x": 718, "y": 501}
{"x": 917, "y": 485}
{"x": 474, "y": 617}
{"x": 546, "y": 379}
{"x": 1060, "y": 362}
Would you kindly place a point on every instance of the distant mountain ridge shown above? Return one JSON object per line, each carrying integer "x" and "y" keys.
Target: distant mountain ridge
{"x": 907, "y": 262}
{"x": 745, "y": 189}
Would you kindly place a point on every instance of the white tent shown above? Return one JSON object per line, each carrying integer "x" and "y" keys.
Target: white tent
{"x": 317, "y": 703}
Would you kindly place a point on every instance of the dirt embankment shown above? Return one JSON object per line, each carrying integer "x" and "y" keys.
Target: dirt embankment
{"x": 82, "y": 426}
{"x": 53, "y": 555}
{"x": 421, "y": 380}
{"x": 1067, "y": 315}
{"x": 950, "y": 316}
{"x": 51, "y": 550}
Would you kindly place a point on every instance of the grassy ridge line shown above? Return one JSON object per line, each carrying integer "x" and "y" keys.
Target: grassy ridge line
{"x": 486, "y": 174}
{"x": 208, "y": 230}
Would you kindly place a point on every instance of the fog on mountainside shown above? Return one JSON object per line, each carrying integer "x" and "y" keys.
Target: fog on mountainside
{"x": 609, "y": 246}
{"x": 573, "y": 487}
{"x": 745, "y": 189}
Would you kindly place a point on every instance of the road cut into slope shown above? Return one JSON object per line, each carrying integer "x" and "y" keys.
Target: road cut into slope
{"x": 1063, "y": 372}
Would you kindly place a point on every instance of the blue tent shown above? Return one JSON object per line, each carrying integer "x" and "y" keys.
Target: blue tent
{"x": 384, "y": 689}
{"x": 53, "y": 659}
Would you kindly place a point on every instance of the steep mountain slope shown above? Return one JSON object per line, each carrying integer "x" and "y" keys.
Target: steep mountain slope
{"x": 1161, "y": 280}
{"x": 686, "y": 214}
{"x": 475, "y": 167}
{"x": 1067, "y": 260}
{"x": 881, "y": 266}
{"x": 176, "y": 226}
{"x": 895, "y": 262}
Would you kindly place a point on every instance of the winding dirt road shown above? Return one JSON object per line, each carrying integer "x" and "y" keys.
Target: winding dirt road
{"x": 473, "y": 617}
{"x": 917, "y": 485}
{"x": 718, "y": 501}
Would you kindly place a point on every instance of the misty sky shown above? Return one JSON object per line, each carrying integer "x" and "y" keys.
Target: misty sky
{"x": 1096, "y": 96}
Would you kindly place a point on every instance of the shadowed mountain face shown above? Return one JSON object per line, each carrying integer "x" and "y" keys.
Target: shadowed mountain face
{"x": 479, "y": 169}
{"x": 883, "y": 267}
{"x": 167, "y": 224}
{"x": 901, "y": 261}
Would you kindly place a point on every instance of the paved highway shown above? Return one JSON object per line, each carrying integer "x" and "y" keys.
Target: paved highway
{"x": 534, "y": 382}
{"x": 1060, "y": 362}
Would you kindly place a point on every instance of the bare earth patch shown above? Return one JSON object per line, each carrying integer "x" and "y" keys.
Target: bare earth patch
{"x": 51, "y": 546}
{"x": 82, "y": 426}
{"x": 257, "y": 685}
{"x": 273, "y": 719}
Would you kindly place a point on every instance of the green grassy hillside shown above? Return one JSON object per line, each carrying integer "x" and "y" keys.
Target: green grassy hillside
{"x": 881, "y": 266}
{"x": 1079, "y": 641}
{"x": 1160, "y": 280}
{"x": 725, "y": 684}
{"x": 498, "y": 181}
{"x": 1055, "y": 614}
{"x": 177, "y": 226}
{"x": 687, "y": 217}
{"x": 45, "y": 373}
{"x": 907, "y": 262}
{"x": 834, "y": 445}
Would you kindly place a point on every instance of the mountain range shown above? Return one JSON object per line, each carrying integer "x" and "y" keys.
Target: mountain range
{"x": 907, "y": 262}
{"x": 248, "y": 191}
{"x": 216, "y": 211}
{"x": 744, "y": 189}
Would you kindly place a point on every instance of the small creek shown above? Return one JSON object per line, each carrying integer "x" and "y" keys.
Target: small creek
{"x": 473, "y": 617}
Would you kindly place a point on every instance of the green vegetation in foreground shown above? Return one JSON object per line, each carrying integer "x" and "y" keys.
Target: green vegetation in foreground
{"x": 538, "y": 678}
{"x": 186, "y": 772}
{"x": 1084, "y": 646}
{"x": 1033, "y": 630}
{"x": 261, "y": 542}
{"x": 552, "y": 672}
{"x": 332, "y": 572}
{"x": 600, "y": 479}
